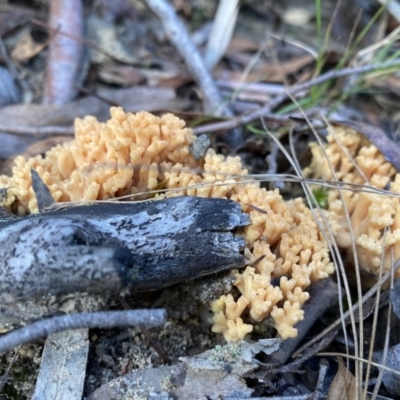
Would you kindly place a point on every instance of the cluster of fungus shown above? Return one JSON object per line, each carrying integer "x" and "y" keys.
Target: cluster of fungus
{"x": 370, "y": 218}
{"x": 136, "y": 153}
{"x": 106, "y": 160}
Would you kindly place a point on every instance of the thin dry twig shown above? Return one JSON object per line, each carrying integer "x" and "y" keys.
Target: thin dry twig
{"x": 375, "y": 318}
{"x": 40, "y": 132}
{"x": 360, "y": 359}
{"x": 178, "y": 35}
{"x": 104, "y": 319}
{"x": 235, "y": 122}
{"x": 387, "y": 337}
{"x": 266, "y": 111}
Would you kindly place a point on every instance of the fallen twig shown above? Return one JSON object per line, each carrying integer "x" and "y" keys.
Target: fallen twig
{"x": 109, "y": 246}
{"x": 233, "y": 123}
{"x": 267, "y": 110}
{"x": 40, "y": 132}
{"x": 104, "y": 319}
{"x": 180, "y": 38}
{"x": 268, "y": 89}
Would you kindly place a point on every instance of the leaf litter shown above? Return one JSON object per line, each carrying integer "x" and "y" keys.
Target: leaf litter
{"x": 135, "y": 55}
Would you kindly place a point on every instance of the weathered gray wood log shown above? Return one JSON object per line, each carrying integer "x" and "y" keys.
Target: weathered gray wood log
{"x": 144, "y": 246}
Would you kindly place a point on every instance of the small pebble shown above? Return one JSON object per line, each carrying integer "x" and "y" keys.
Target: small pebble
{"x": 200, "y": 146}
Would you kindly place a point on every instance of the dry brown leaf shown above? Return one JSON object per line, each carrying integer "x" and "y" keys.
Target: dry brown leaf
{"x": 344, "y": 384}
{"x": 174, "y": 83}
{"x": 124, "y": 75}
{"x": 131, "y": 99}
{"x": 241, "y": 45}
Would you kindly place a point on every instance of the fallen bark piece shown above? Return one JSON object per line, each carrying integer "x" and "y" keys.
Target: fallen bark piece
{"x": 63, "y": 367}
{"x": 42, "y": 192}
{"x": 145, "y": 246}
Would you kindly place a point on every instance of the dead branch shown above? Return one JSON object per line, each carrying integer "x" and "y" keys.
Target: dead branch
{"x": 109, "y": 246}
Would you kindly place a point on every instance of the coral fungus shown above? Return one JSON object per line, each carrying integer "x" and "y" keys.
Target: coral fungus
{"x": 106, "y": 160}
{"x": 374, "y": 219}
{"x": 135, "y": 153}
{"x": 286, "y": 234}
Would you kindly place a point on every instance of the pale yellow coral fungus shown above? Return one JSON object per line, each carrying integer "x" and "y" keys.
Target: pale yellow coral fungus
{"x": 106, "y": 160}
{"x": 374, "y": 218}
{"x": 286, "y": 234}
{"x": 134, "y": 153}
